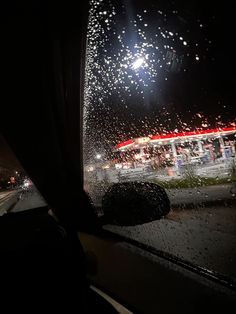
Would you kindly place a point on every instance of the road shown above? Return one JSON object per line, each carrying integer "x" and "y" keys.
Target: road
{"x": 15, "y": 201}
{"x": 7, "y": 200}
{"x": 182, "y": 197}
{"x": 201, "y": 227}
{"x": 202, "y": 195}
{"x": 204, "y": 234}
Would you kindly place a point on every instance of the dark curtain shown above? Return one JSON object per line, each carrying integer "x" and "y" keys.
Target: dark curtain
{"x": 43, "y": 60}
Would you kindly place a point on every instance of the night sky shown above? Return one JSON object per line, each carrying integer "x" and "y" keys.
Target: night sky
{"x": 186, "y": 82}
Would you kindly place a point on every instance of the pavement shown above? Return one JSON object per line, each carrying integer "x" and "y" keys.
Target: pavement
{"x": 220, "y": 169}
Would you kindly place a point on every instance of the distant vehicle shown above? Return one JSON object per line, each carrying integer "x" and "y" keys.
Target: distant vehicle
{"x": 196, "y": 160}
{"x": 27, "y": 184}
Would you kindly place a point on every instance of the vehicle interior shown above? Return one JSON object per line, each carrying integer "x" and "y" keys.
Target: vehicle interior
{"x": 59, "y": 256}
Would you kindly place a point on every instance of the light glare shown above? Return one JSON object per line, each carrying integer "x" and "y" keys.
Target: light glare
{"x": 137, "y": 64}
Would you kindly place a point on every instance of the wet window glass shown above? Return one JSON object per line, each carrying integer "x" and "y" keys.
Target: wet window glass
{"x": 159, "y": 109}
{"x": 17, "y": 191}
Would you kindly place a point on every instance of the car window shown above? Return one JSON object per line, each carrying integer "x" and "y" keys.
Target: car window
{"x": 17, "y": 191}
{"x": 159, "y": 108}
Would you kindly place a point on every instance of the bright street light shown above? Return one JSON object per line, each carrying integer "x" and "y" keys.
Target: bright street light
{"x": 137, "y": 64}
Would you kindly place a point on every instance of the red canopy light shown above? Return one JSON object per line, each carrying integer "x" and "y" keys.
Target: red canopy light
{"x": 123, "y": 144}
{"x": 192, "y": 133}
{"x": 181, "y": 134}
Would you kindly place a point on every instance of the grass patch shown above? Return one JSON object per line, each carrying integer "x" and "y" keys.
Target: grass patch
{"x": 191, "y": 182}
